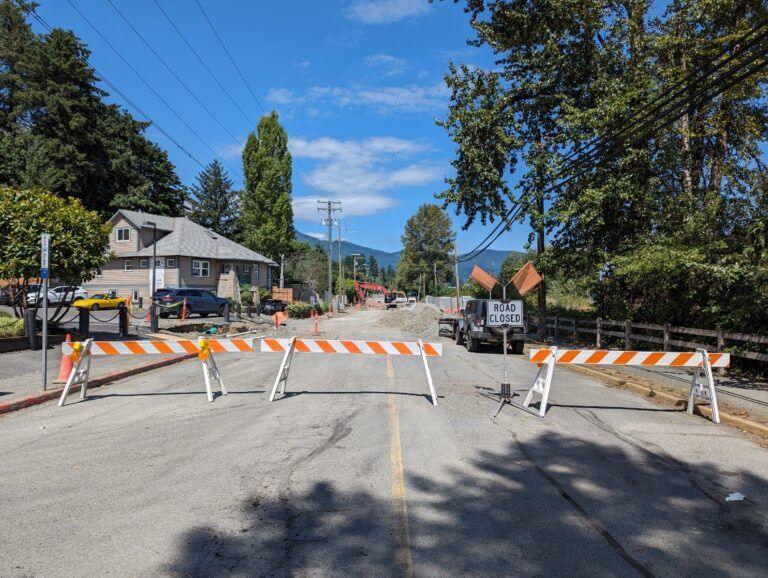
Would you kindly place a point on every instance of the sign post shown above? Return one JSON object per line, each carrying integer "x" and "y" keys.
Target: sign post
{"x": 505, "y": 314}
{"x": 45, "y": 264}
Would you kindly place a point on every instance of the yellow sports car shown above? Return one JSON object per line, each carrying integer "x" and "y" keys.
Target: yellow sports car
{"x": 102, "y": 301}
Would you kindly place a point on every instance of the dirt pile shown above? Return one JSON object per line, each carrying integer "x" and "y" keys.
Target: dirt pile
{"x": 421, "y": 320}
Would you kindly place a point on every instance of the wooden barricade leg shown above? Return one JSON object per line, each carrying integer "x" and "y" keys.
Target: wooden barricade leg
{"x": 541, "y": 385}
{"x": 282, "y": 374}
{"x": 429, "y": 375}
{"x": 704, "y": 390}
{"x": 80, "y": 370}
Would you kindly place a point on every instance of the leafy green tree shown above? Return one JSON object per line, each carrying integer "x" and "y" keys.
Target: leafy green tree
{"x": 307, "y": 264}
{"x": 427, "y": 240}
{"x": 57, "y": 132}
{"x": 79, "y": 238}
{"x": 213, "y": 202}
{"x": 266, "y": 215}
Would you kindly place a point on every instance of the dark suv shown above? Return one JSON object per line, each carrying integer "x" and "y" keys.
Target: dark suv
{"x": 472, "y": 329}
{"x": 199, "y": 301}
{"x": 272, "y": 306}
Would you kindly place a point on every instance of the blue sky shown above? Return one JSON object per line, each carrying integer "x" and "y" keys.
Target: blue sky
{"x": 357, "y": 84}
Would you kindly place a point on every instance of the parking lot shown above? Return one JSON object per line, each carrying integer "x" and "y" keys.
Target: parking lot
{"x": 355, "y": 472}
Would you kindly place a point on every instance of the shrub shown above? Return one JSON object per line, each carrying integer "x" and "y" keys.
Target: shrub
{"x": 11, "y": 326}
{"x": 299, "y": 310}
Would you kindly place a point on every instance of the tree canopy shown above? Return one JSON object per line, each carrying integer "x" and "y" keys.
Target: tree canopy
{"x": 213, "y": 202}
{"x": 57, "y": 132}
{"x": 427, "y": 242}
{"x": 644, "y": 209}
{"x": 267, "y": 214}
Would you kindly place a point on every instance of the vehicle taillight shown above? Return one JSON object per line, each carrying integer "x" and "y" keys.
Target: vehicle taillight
{"x": 166, "y": 298}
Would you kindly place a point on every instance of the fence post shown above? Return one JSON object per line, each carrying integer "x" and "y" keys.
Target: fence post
{"x": 598, "y": 336}
{"x": 84, "y": 328}
{"x": 122, "y": 314}
{"x": 666, "y": 337}
{"x": 557, "y": 332}
{"x": 30, "y": 326}
{"x": 627, "y": 333}
{"x": 720, "y": 346}
{"x": 575, "y": 333}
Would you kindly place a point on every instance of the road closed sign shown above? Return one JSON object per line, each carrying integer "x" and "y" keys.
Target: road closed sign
{"x": 501, "y": 313}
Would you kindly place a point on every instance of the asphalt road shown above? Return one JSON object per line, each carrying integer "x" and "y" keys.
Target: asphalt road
{"x": 355, "y": 473}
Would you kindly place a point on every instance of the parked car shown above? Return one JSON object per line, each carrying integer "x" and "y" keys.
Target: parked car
{"x": 272, "y": 306}
{"x": 470, "y": 329}
{"x": 102, "y": 301}
{"x": 8, "y": 291}
{"x": 63, "y": 294}
{"x": 199, "y": 301}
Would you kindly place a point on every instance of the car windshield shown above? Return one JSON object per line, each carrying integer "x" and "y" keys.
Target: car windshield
{"x": 99, "y": 296}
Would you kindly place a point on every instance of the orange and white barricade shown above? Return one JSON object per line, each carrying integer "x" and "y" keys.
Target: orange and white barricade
{"x": 82, "y": 352}
{"x": 344, "y": 347}
{"x": 701, "y": 360}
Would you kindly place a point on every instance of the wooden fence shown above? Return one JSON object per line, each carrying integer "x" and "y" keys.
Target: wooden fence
{"x": 666, "y": 336}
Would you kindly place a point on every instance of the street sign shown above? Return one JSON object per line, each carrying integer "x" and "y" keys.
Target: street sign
{"x": 504, "y": 313}
{"x": 45, "y": 255}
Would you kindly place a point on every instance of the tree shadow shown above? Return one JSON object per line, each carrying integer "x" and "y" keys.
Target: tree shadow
{"x": 553, "y": 504}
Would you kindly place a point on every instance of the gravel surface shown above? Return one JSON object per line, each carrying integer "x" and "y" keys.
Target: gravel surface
{"x": 420, "y": 320}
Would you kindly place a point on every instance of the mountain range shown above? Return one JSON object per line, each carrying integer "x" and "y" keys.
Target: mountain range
{"x": 489, "y": 260}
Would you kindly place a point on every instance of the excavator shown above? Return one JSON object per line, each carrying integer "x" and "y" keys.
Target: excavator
{"x": 392, "y": 299}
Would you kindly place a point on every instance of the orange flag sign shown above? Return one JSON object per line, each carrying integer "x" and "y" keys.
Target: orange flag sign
{"x": 526, "y": 279}
{"x": 485, "y": 279}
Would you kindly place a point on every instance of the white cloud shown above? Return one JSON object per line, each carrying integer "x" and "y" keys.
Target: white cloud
{"x": 230, "y": 151}
{"x": 386, "y": 64}
{"x": 385, "y": 11}
{"x": 304, "y": 64}
{"x": 320, "y": 236}
{"x": 407, "y": 98}
{"x": 360, "y": 173}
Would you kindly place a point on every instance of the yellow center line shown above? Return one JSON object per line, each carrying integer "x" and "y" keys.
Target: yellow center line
{"x": 403, "y": 561}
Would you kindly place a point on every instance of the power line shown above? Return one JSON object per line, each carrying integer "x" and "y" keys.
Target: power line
{"x": 202, "y": 62}
{"x": 125, "y": 98}
{"x": 152, "y": 89}
{"x": 173, "y": 73}
{"x": 250, "y": 90}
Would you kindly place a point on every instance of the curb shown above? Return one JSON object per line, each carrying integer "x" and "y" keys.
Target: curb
{"x": 728, "y": 418}
{"x": 44, "y": 396}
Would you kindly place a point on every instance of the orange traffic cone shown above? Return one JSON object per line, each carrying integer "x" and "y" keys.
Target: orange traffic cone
{"x": 66, "y": 365}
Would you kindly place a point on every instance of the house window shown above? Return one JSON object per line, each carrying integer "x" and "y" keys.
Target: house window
{"x": 135, "y": 295}
{"x": 143, "y": 263}
{"x": 170, "y": 263}
{"x": 256, "y": 272}
{"x": 158, "y": 263}
{"x": 127, "y": 264}
{"x": 246, "y": 269}
{"x": 201, "y": 268}
{"x": 123, "y": 234}
{"x": 99, "y": 272}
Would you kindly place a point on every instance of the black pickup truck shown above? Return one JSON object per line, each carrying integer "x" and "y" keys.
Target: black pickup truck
{"x": 470, "y": 329}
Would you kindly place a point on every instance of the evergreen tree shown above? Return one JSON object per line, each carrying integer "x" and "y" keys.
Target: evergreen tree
{"x": 427, "y": 241}
{"x": 267, "y": 215}
{"x": 373, "y": 267}
{"x": 213, "y": 203}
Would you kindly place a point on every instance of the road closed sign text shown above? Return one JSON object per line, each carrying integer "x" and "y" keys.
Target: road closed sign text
{"x": 509, "y": 313}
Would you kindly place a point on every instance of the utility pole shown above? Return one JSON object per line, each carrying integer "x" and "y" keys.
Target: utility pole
{"x": 329, "y": 207}
{"x": 456, "y": 273}
{"x": 341, "y": 270}
{"x": 282, "y": 266}
{"x": 540, "y": 244}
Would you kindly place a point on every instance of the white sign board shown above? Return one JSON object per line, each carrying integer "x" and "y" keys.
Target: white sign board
{"x": 504, "y": 313}
{"x": 159, "y": 278}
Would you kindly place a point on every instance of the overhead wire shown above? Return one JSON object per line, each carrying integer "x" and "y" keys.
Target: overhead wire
{"x": 126, "y": 98}
{"x": 220, "y": 40}
{"x": 697, "y": 98}
{"x": 173, "y": 73}
{"x": 152, "y": 88}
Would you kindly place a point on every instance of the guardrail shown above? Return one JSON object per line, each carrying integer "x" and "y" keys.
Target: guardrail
{"x": 665, "y": 335}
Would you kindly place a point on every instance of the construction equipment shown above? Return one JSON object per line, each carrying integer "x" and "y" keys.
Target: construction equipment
{"x": 362, "y": 287}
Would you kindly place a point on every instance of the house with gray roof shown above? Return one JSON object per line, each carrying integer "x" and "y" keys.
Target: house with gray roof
{"x": 187, "y": 255}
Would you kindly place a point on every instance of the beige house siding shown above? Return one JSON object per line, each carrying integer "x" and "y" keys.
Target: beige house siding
{"x": 115, "y": 278}
{"x": 123, "y": 247}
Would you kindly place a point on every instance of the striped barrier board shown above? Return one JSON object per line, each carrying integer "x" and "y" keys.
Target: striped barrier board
{"x": 646, "y": 358}
{"x": 354, "y": 347}
{"x": 701, "y": 360}
{"x": 162, "y": 347}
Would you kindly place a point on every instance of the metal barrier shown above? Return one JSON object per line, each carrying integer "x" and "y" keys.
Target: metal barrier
{"x": 343, "y": 347}
{"x": 702, "y": 361}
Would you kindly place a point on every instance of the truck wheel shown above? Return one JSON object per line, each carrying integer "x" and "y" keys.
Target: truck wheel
{"x": 472, "y": 344}
{"x": 517, "y": 347}
{"x": 458, "y": 336}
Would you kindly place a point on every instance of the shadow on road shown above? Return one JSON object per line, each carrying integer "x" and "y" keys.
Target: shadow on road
{"x": 552, "y": 505}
